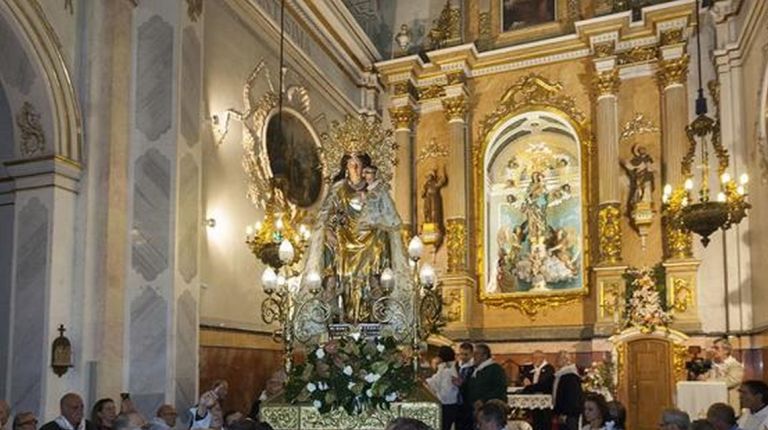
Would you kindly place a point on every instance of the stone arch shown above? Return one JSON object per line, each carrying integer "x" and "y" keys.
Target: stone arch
{"x": 41, "y": 85}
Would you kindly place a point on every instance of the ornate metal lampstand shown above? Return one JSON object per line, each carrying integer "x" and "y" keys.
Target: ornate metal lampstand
{"x": 705, "y": 216}
{"x": 427, "y": 301}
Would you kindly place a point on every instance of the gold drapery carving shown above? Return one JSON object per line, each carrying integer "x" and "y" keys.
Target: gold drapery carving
{"x": 638, "y": 54}
{"x": 456, "y": 241}
{"x": 673, "y": 71}
{"x": 678, "y": 243}
{"x": 606, "y": 82}
{"x": 432, "y": 150}
{"x": 402, "y": 117}
{"x": 609, "y": 231}
{"x": 455, "y": 107}
{"x": 680, "y": 295}
{"x": 431, "y": 92}
{"x": 453, "y": 305}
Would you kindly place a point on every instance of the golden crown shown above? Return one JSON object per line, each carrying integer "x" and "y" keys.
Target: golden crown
{"x": 358, "y": 135}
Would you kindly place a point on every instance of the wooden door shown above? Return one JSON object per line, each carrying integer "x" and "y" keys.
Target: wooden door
{"x": 649, "y": 382}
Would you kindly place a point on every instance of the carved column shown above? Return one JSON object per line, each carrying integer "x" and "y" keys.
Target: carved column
{"x": 402, "y": 120}
{"x": 455, "y": 109}
{"x": 679, "y": 264}
{"x": 608, "y": 273}
{"x": 672, "y": 74}
{"x": 606, "y": 87}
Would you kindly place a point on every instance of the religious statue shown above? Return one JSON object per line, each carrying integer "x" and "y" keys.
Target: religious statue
{"x": 640, "y": 171}
{"x": 433, "y": 228}
{"x": 357, "y": 237}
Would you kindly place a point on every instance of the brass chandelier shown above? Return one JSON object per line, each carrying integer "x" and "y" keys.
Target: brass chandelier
{"x": 705, "y": 215}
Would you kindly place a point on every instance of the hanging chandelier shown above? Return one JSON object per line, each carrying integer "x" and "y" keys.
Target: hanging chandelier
{"x": 704, "y": 216}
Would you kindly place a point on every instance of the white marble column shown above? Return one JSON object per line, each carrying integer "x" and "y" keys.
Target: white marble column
{"x": 165, "y": 216}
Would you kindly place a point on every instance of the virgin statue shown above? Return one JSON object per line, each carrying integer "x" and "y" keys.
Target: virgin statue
{"x": 356, "y": 238}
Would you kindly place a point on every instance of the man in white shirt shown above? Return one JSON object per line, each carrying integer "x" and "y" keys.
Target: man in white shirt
{"x": 441, "y": 384}
{"x": 754, "y": 396}
{"x": 727, "y": 369}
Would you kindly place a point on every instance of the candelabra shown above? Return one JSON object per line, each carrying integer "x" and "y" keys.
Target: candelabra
{"x": 265, "y": 237}
{"x": 427, "y": 301}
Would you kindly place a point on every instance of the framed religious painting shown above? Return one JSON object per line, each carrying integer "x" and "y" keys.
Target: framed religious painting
{"x": 294, "y": 159}
{"x": 527, "y": 20}
{"x": 532, "y": 197}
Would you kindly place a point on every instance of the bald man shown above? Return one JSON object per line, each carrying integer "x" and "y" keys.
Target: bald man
{"x": 72, "y": 415}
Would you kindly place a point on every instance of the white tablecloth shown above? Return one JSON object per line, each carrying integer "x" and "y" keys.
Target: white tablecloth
{"x": 530, "y": 401}
{"x": 695, "y": 397}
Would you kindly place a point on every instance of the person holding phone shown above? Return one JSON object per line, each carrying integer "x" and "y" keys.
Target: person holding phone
{"x": 207, "y": 414}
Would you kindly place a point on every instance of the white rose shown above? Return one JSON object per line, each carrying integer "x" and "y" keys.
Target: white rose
{"x": 380, "y": 347}
{"x": 369, "y": 393}
{"x": 317, "y": 404}
{"x": 350, "y": 385}
{"x": 311, "y": 387}
{"x": 320, "y": 353}
{"x": 347, "y": 370}
{"x": 391, "y": 397}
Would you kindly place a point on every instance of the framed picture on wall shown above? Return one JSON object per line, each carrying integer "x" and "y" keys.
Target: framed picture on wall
{"x": 518, "y": 14}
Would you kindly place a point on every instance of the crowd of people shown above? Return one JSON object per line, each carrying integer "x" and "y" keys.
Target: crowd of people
{"x": 471, "y": 387}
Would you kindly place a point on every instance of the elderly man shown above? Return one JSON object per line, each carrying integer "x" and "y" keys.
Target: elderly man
{"x": 25, "y": 421}
{"x": 492, "y": 416}
{"x": 488, "y": 381}
{"x": 72, "y": 415}
{"x": 722, "y": 417}
{"x": 567, "y": 395}
{"x": 754, "y": 396}
{"x": 164, "y": 419}
{"x": 727, "y": 369}
{"x": 540, "y": 376}
{"x": 674, "y": 419}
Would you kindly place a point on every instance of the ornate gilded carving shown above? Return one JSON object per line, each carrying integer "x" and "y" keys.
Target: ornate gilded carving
{"x": 432, "y": 150}
{"x": 679, "y": 357}
{"x": 609, "y": 231}
{"x": 531, "y": 305}
{"x": 485, "y": 38}
{"x": 32, "y": 136}
{"x": 673, "y": 71}
{"x": 621, "y": 364}
{"x": 680, "y": 295}
{"x": 402, "y": 117}
{"x": 455, "y": 108}
{"x": 194, "y": 9}
{"x": 610, "y": 299}
{"x": 453, "y": 305}
{"x": 671, "y": 36}
{"x": 638, "y": 54}
{"x": 402, "y": 88}
{"x": 637, "y": 126}
{"x": 431, "y": 92}
{"x": 307, "y": 417}
{"x": 678, "y": 241}
{"x": 446, "y": 28}
{"x": 455, "y": 78}
{"x": 604, "y": 49}
{"x": 456, "y": 240}
{"x": 359, "y": 135}
{"x": 606, "y": 82}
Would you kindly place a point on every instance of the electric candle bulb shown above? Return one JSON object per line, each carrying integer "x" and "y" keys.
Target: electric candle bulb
{"x": 689, "y": 184}
{"x": 725, "y": 178}
{"x": 744, "y": 179}
{"x": 721, "y": 197}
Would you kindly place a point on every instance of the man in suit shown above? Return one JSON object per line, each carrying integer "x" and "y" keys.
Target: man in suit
{"x": 72, "y": 415}
{"x": 727, "y": 369}
{"x": 466, "y": 366}
{"x": 568, "y": 397}
{"x": 488, "y": 381}
{"x": 539, "y": 379}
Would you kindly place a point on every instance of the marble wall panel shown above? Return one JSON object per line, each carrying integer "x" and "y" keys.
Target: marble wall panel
{"x": 154, "y": 77}
{"x": 189, "y": 217}
{"x": 7, "y": 217}
{"x": 186, "y": 353}
{"x": 151, "y": 214}
{"x": 191, "y": 83}
{"x": 29, "y": 305}
{"x": 7, "y": 148}
{"x": 18, "y": 73}
{"x": 148, "y": 350}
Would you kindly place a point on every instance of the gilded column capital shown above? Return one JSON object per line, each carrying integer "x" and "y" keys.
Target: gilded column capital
{"x": 402, "y": 117}
{"x": 609, "y": 232}
{"x": 673, "y": 71}
{"x": 605, "y": 49}
{"x": 606, "y": 82}
{"x": 455, "y": 108}
{"x": 456, "y": 242}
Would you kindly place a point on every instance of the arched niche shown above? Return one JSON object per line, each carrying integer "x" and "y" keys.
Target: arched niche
{"x": 531, "y": 173}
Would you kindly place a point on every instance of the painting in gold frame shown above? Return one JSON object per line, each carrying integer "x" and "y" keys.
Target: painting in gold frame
{"x": 531, "y": 95}
{"x": 518, "y": 14}
{"x": 530, "y": 24}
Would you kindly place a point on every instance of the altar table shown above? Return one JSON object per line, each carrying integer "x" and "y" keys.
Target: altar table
{"x": 695, "y": 397}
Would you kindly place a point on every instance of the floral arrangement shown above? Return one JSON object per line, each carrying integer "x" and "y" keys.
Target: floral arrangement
{"x": 600, "y": 378}
{"x": 353, "y": 373}
{"x": 645, "y": 306}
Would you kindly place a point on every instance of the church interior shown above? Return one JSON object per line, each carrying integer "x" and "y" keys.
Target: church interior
{"x": 194, "y": 191}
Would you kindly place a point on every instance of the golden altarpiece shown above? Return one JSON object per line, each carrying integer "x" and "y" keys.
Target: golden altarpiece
{"x": 532, "y": 167}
